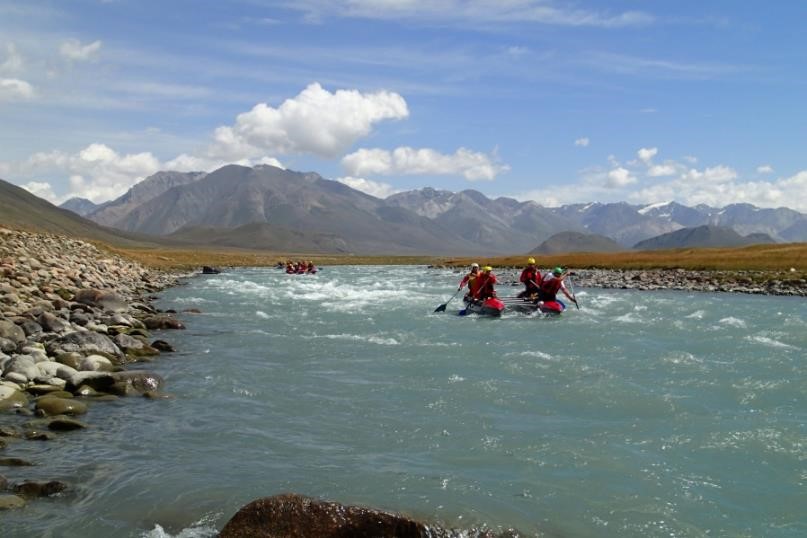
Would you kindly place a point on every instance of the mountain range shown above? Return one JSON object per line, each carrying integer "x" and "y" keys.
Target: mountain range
{"x": 275, "y": 209}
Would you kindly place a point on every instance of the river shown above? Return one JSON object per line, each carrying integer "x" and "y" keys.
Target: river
{"x": 640, "y": 414}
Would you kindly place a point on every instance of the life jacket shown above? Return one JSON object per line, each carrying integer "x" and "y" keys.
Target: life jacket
{"x": 485, "y": 286}
{"x": 531, "y": 279}
{"x": 550, "y": 287}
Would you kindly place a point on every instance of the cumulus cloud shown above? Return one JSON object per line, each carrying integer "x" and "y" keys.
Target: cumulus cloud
{"x": 41, "y": 189}
{"x": 316, "y": 121}
{"x": 659, "y": 170}
{"x": 373, "y": 188}
{"x": 97, "y": 172}
{"x": 620, "y": 177}
{"x": 72, "y": 49}
{"x": 582, "y": 142}
{"x": 13, "y": 89}
{"x": 646, "y": 154}
{"x": 473, "y": 166}
{"x": 765, "y": 169}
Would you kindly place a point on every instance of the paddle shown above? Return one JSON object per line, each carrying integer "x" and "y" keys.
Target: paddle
{"x": 442, "y": 307}
{"x": 574, "y": 295}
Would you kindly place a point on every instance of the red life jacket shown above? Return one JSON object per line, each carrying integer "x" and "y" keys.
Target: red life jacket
{"x": 485, "y": 286}
{"x": 550, "y": 287}
{"x": 531, "y": 279}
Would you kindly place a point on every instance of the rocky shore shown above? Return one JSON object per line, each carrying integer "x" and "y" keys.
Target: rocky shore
{"x": 75, "y": 328}
{"x": 751, "y": 282}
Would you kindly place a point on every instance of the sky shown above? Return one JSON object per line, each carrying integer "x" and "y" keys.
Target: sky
{"x": 547, "y": 100}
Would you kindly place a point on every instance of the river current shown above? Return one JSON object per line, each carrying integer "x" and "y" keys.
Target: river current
{"x": 640, "y": 414}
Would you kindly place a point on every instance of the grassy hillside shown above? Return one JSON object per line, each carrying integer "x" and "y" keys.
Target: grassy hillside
{"x": 22, "y": 210}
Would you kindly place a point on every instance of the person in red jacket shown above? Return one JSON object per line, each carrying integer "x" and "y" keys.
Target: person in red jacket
{"x": 531, "y": 278}
{"x": 486, "y": 282}
{"x": 472, "y": 280}
{"x": 553, "y": 283}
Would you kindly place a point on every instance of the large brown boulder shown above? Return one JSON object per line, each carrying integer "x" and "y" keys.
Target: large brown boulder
{"x": 109, "y": 301}
{"x": 295, "y": 516}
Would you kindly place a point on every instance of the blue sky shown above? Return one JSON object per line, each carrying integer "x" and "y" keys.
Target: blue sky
{"x": 554, "y": 101}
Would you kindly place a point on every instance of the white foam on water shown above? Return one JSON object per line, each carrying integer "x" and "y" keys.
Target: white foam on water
{"x": 770, "y": 342}
{"x": 362, "y": 338}
{"x": 454, "y": 378}
{"x": 630, "y": 317}
{"x": 733, "y": 322}
{"x": 262, "y": 315}
{"x": 537, "y": 354}
{"x": 697, "y": 314}
{"x": 192, "y": 300}
{"x": 201, "y": 529}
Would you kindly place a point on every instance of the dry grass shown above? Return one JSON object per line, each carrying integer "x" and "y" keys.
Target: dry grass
{"x": 777, "y": 258}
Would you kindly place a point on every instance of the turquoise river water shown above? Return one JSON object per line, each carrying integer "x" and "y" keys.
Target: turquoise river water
{"x": 641, "y": 414}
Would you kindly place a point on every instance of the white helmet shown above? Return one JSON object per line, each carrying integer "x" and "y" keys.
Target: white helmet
{"x": 474, "y": 265}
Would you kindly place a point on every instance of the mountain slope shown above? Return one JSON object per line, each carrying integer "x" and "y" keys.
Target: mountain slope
{"x": 577, "y": 242}
{"x": 503, "y": 225}
{"x": 234, "y": 196}
{"x": 702, "y": 237}
{"x": 113, "y": 212}
{"x": 21, "y": 209}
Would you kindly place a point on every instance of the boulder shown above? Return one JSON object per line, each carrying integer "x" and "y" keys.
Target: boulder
{"x": 97, "y": 381}
{"x": 295, "y": 516}
{"x": 53, "y": 323}
{"x": 10, "y": 331}
{"x": 39, "y": 489}
{"x": 162, "y": 345}
{"x": 96, "y": 363}
{"x": 110, "y": 301}
{"x": 30, "y": 327}
{"x": 134, "y": 347}
{"x": 64, "y": 424}
{"x": 86, "y": 343}
{"x": 135, "y": 382}
{"x": 7, "y": 346}
{"x": 51, "y": 406}
{"x": 23, "y": 365}
{"x": 71, "y": 359}
{"x": 162, "y": 321}
{"x": 33, "y": 434}
{"x": 15, "y": 462}
{"x": 10, "y": 502}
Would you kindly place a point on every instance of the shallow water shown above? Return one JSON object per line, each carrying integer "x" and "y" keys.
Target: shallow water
{"x": 641, "y": 414}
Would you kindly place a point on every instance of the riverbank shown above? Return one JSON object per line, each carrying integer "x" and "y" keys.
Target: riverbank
{"x": 74, "y": 322}
{"x": 751, "y": 282}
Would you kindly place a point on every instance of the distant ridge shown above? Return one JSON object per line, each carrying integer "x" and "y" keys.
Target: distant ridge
{"x": 79, "y": 206}
{"x": 577, "y": 242}
{"x": 702, "y": 237}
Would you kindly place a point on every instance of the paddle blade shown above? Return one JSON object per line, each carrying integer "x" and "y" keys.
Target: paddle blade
{"x": 441, "y": 308}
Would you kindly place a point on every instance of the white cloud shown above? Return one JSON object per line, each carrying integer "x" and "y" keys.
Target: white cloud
{"x": 473, "y": 166}
{"x": 582, "y": 142}
{"x": 715, "y": 174}
{"x": 316, "y": 121}
{"x": 477, "y": 13}
{"x": 373, "y": 188}
{"x": 659, "y": 170}
{"x": 72, "y": 49}
{"x": 13, "y": 62}
{"x": 620, "y": 177}
{"x": 647, "y": 154}
{"x": 41, "y": 189}
{"x": 97, "y": 172}
{"x": 765, "y": 169}
{"x": 13, "y": 89}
